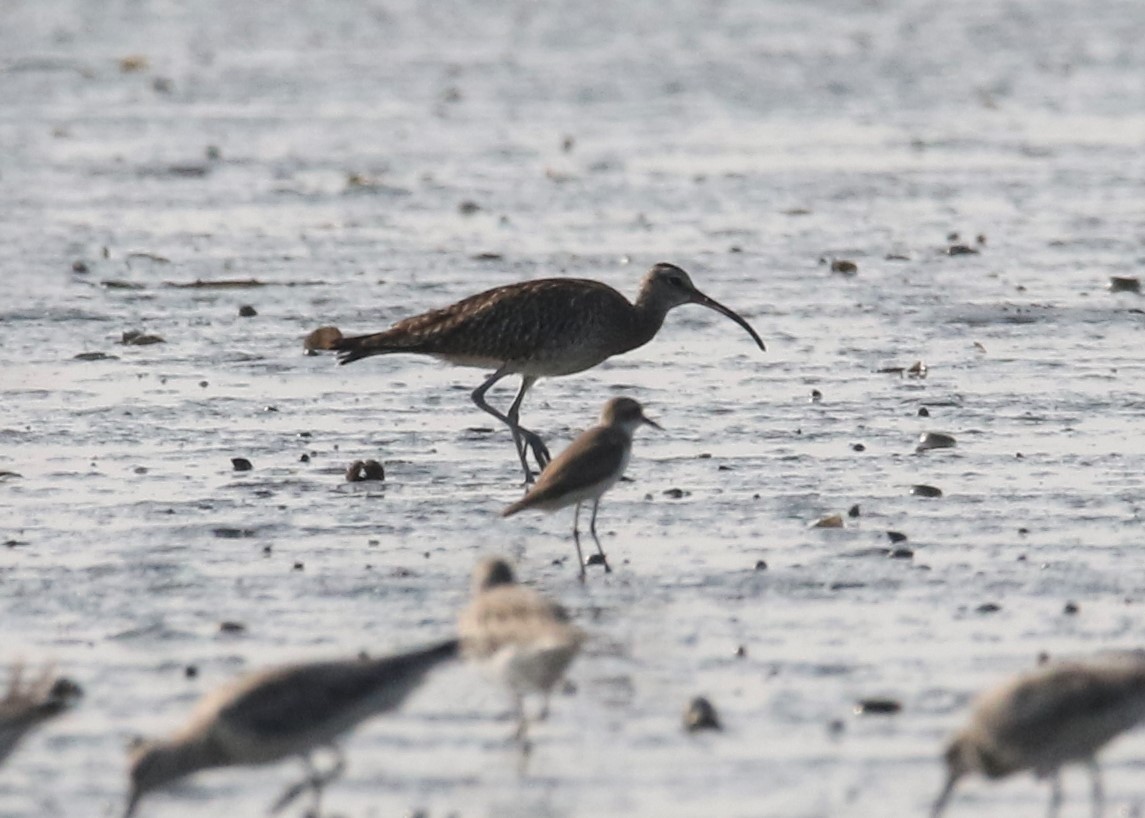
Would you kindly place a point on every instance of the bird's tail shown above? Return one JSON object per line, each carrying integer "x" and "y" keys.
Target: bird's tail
{"x": 520, "y": 505}
{"x": 357, "y": 347}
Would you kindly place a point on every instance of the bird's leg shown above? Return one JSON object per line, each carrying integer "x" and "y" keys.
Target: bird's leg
{"x": 544, "y": 714}
{"x": 1055, "y": 794}
{"x": 315, "y": 781}
{"x": 592, "y": 530}
{"x": 527, "y": 437}
{"x": 576, "y": 541}
{"x": 479, "y": 399}
{"x": 1098, "y": 792}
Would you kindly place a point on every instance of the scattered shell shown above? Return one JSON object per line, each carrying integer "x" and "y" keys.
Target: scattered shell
{"x": 816, "y": 396}
{"x": 79, "y": 266}
{"x": 134, "y": 337}
{"x": 362, "y": 470}
{"x": 595, "y": 559}
{"x": 1124, "y": 284}
{"x": 854, "y": 511}
{"x": 229, "y": 533}
{"x": 231, "y": 627}
{"x": 923, "y": 412}
{"x": 858, "y": 447}
{"x": 901, "y": 554}
{"x": 988, "y": 608}
{"x": 4, "y": 475}
{"x": 761, "y": 565}
{"x": 133, "y": 63}
{"x": 979, "y": 347}
{"x": 741, "y": 652}
{"x": 322, "y": 338}
{"x": 917, "y": 369}
{"x": 844, "y": 267}
{"x": 896, "y": 536}
{"x": 95, "y": 356}
{"x": 247, "y": 311}
{"x": 468, "y": 208}
{"x": 241, "y": 464}
{"x": 190, "y": 671}
{"x": 935, "y": 440}
{"x": 1070, "y": 608}
{"x": 701, "y": 715}
{"x": 877, "y": 707}
{"x": 960, "y": 250}
{"x": 830, "y": 521}
{"x": 675, "y": 494}
{"x": 298, "y": 566}
{"x": 923, "y": 490}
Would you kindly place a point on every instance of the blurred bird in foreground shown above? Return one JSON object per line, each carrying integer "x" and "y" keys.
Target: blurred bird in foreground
{"x": 25, "y": 707}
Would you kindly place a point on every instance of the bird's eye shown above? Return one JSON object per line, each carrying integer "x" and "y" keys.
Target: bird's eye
{"x": 676, "y": 280}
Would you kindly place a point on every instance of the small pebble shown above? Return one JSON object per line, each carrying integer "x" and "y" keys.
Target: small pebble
{"x": 1023, "y": 531}
{"x": 241, "y": 464}
{"x": 305, "y": 458}
{"x": 934, "y": 440}
{"x": 79, "y": 266}
{"x": 844, "y": 267}
{"x": 701, "y": 715}
{"x": 675, "y": 494}
{"x": 1122, "y": 284}
{"x": 854, "y": 511}
{"x": 362, "y": 470}
{"x": 266, "y": 550}
{"x": 468, "y": 208}
{"x": 858, "y": 447}
{"x": 741, "y": 652}
{"x": 923, "y": 490}
{"x": 896, "y": 536}
{"x": 322, "y": 338}
{"x": 923, "y": 412}
{"x": 1070, "y": 608}
{"x": 830, "y": 521}
{"x": 134, "y": 337}
{"x": 877, "y": 707}
{"x": 231, "y": 627}
{"x": 816, "y": 396}
{"x": 901, "y": 554}
{"x": 595, "y": 559}
{"x": 836, "y": 727}
{"x": 960, "y": 250}
{"x": 190, "y": 672}
{"x": 298, "y": 566}
{"x": 247, "y": 311}
{"x": 1042, "y": 658}
{"x": 988, "y": 608}
{"x": 761, "y": 565}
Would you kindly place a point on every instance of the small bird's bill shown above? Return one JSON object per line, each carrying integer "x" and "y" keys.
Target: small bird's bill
{"x": 711, "y": 303}
{"x": 647, "y": 420}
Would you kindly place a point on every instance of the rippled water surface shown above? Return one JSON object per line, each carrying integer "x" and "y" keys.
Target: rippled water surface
{"x": 327, "y": 152}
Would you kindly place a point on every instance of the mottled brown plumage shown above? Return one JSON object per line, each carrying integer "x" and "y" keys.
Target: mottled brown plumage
{"x": 1060, "y": 714}
{"x": 590, "y": 466}
{"x": 524, "y": 639}
{"x": 544, "y": 328}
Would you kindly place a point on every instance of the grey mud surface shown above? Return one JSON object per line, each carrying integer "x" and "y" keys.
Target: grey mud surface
{"x": 325, "y": 151}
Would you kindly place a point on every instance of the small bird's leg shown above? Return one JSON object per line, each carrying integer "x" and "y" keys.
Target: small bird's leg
{"x": 592, "y": 530}
{"x": 521, "y": 734}
{"x": 315, "y": 781}
{"x": 576, "y": 540}
{"x": 1055, "y": 794}
{"x": 544, "y": 714}
{"x": 478, "y": 397}
{"x": 1098, "y": 792}
{"x": 532, "y": 439}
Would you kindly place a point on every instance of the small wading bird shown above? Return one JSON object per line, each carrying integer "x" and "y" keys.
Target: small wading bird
{"x": 535, "y": 329}
{"x": 25, "y": 707}
{"x": 1060, "y": 714}
{"x": 521, "y": 638}
{"x": 588, "y": 468}
{"x": 283, "y": 712}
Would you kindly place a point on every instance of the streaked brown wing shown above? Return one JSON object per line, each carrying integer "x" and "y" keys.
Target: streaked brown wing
{"x": 591, "y": 458}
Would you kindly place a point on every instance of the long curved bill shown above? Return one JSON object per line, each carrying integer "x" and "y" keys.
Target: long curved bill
{"x": 712, "y": 304}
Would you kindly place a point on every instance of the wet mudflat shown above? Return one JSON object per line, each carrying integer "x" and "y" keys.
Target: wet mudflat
{"x": 353, "y": 165}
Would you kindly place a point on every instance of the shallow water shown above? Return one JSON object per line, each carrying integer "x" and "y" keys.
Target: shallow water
{"x": 742, "y": 141}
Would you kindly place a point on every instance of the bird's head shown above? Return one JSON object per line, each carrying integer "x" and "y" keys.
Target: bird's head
{"x": 666, "y": 286}
{"x": 627, "y": 414}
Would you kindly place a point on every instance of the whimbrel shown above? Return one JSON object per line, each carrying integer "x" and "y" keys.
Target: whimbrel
{"x": 543, "y": 328}
{"x": 288, "y": 711}
{"x": 588, "y": 468}
{"x": 1059, "y": 714}
{"x": 519, "y": 635}
{"x": 24, "y": 707}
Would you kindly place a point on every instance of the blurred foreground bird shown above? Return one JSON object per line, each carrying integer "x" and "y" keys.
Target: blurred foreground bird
{"x": 519, "y": 636}
{"x": 543, "y": 328}
{"x": 1063, "y": 713}
{"x": 590, "y": 466}
{"x": 288, "y": 711}
{"x": 25, "y": 707}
